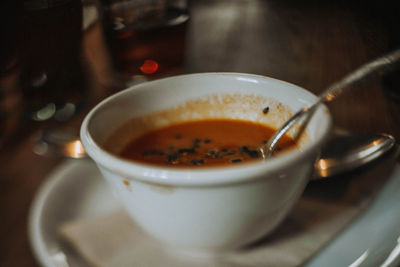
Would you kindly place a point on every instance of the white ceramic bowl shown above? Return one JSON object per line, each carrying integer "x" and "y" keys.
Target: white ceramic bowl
{"x": 205, "y": 209}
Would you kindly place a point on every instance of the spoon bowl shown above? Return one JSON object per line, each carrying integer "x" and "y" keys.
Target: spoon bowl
{"x": 346, "y": 152}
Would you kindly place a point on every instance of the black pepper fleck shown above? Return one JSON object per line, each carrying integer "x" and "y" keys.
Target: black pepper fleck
{"x": 211, "y": 152}
{"x": 186, "y": 151}
{"x": 253, "y": 153}
{"x": 244, "y": 149}
{"x": 197, "y": 161}
{"x": 196, "y": 140}
{"x": 229, "y": 153}
{"x": 172, "y": 158}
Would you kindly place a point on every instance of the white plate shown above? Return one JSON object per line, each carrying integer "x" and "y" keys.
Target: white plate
{"x": 374, "y": 238}
{"x": 75, "y": 190}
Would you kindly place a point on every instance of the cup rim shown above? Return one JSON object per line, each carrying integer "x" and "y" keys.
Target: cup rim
{"x": 204, "y": 176}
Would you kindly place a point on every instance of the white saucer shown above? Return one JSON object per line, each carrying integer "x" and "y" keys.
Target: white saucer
{"x": 374, "y": 238}
{"x": 75, "y": 190}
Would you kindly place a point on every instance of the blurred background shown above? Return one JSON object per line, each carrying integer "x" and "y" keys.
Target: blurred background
{"x": 58, "y": 58}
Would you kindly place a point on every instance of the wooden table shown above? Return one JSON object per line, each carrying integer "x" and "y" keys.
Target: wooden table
{"x": 311, "y": 44}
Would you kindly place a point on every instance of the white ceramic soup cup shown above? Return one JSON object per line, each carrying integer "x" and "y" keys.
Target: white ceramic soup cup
{"x": 204, "y": 209}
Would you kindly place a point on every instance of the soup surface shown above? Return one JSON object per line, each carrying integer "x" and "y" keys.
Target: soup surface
{"x": 202, "y": 143}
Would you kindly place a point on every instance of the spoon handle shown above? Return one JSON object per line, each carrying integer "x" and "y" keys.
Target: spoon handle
{"x": 383, "y": 63}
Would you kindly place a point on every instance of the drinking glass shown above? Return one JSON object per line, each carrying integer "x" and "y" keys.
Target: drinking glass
{"x": 146, "y": 38}
{"x": 52, "y": 78}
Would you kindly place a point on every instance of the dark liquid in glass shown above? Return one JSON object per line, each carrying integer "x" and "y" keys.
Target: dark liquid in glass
{"x": 153, "y": 48}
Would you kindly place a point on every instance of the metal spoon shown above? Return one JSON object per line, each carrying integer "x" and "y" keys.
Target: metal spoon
{"x": 343, "y": 152}
{"x": 333, "y": 91}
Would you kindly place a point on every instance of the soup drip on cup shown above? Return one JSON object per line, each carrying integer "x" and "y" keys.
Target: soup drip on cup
{"x": 205, "y": 209}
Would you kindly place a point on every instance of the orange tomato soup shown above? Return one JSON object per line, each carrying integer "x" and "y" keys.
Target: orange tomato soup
{"x": 203, "y": 143}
